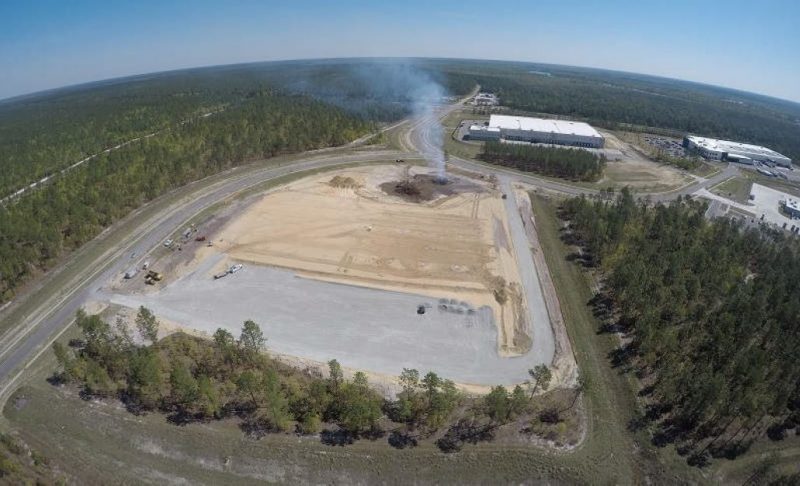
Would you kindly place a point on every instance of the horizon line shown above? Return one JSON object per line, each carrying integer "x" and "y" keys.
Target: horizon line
{"x": 126, "y": 77}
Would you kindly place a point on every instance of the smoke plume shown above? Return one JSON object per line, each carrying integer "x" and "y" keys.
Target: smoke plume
{"x": 426, "y": 94}
{"x": 382, "y": 90}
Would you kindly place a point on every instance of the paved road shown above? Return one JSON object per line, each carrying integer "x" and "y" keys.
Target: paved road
{"x": 36, "y": 330}
{"x": 19, "y": 346}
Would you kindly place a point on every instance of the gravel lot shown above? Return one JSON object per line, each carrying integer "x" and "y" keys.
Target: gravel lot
{"x": 363, "y": 328}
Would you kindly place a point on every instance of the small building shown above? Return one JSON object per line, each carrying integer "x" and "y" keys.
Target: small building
{"x": 486, "y": 99}
{"x": 791, "y": 207}
{"x": 483, "y": 132}
{"x": 727, "y": 150}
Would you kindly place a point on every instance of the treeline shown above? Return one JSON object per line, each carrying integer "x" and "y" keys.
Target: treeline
{"x": 679, "y": 162}
{"x": 38, "y": 228}
{"x": 43, "y": 133}
{"x": 607, "y": 99}
{"x": 193, "y": 379}
{"x": 712, "y": 316}
{"x": 573, "y": 164}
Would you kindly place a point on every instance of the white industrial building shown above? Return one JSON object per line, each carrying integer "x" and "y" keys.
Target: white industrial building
{"x": 538, "y": 130}
{"x": 744, "y": 153}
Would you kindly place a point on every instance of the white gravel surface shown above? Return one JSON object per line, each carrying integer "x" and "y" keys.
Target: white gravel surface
{"x": 538, "y": 320}
{"x": 363, "y": 328}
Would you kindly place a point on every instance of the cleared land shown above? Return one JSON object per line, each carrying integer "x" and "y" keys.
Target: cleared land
{"x": 337, "y": 268}
{"x": 638, "y": 172}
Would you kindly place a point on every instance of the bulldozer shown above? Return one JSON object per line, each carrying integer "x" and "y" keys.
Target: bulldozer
{"x": 154, "y": 276}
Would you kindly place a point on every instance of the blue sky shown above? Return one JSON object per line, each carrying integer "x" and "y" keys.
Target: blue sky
{"x": 751, "y": 45}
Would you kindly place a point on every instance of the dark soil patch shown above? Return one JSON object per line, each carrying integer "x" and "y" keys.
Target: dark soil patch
{"x": 426, "y": 187}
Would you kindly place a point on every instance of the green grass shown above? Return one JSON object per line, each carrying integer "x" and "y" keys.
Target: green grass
{"x": 706, "y": 169}
{"x": 457, "y": 147}
{"x": 736, "y": 189}
{"x": 782, "y": 185}
{"x": 100, "y": 442}
{"x": 461, "y": 149}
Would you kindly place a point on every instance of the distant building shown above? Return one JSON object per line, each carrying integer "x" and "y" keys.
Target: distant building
{"x": 486, "y": 99}
{"x": 744, "y": 153}
{"x": 538, "y": 130}
{"x": 791, "y": 207}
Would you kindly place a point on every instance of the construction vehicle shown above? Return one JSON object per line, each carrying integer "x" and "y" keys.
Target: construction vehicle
{"x": 152, "y": 274}
{"x": 149, "y": 281}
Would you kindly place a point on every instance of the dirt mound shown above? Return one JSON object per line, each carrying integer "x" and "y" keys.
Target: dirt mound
{"x": 344, "y": 182}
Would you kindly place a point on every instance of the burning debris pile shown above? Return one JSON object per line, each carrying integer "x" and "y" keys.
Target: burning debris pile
{"x": 407, "y": 188}
{"x": 419, "y": 188}
{"x": 427, "y": 187}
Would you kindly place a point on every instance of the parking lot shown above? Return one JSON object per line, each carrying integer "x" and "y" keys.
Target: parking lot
{"x": 671, "y": 147}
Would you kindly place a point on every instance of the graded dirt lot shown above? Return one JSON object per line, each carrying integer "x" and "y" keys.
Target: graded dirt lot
{"x": 334, "y": 267}
{"x": 636, "y": 171}
{"x": 454, "y": 247}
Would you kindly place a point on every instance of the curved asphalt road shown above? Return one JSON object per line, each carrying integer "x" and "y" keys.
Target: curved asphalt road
{"x": 22, "y": 343}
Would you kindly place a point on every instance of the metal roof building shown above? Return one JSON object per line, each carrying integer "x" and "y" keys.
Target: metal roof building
{"x": 711, "y": 148}
{"x": 538, "y": 130}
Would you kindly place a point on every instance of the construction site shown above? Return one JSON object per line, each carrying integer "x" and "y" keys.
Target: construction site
{"x": 380, "y": 267}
